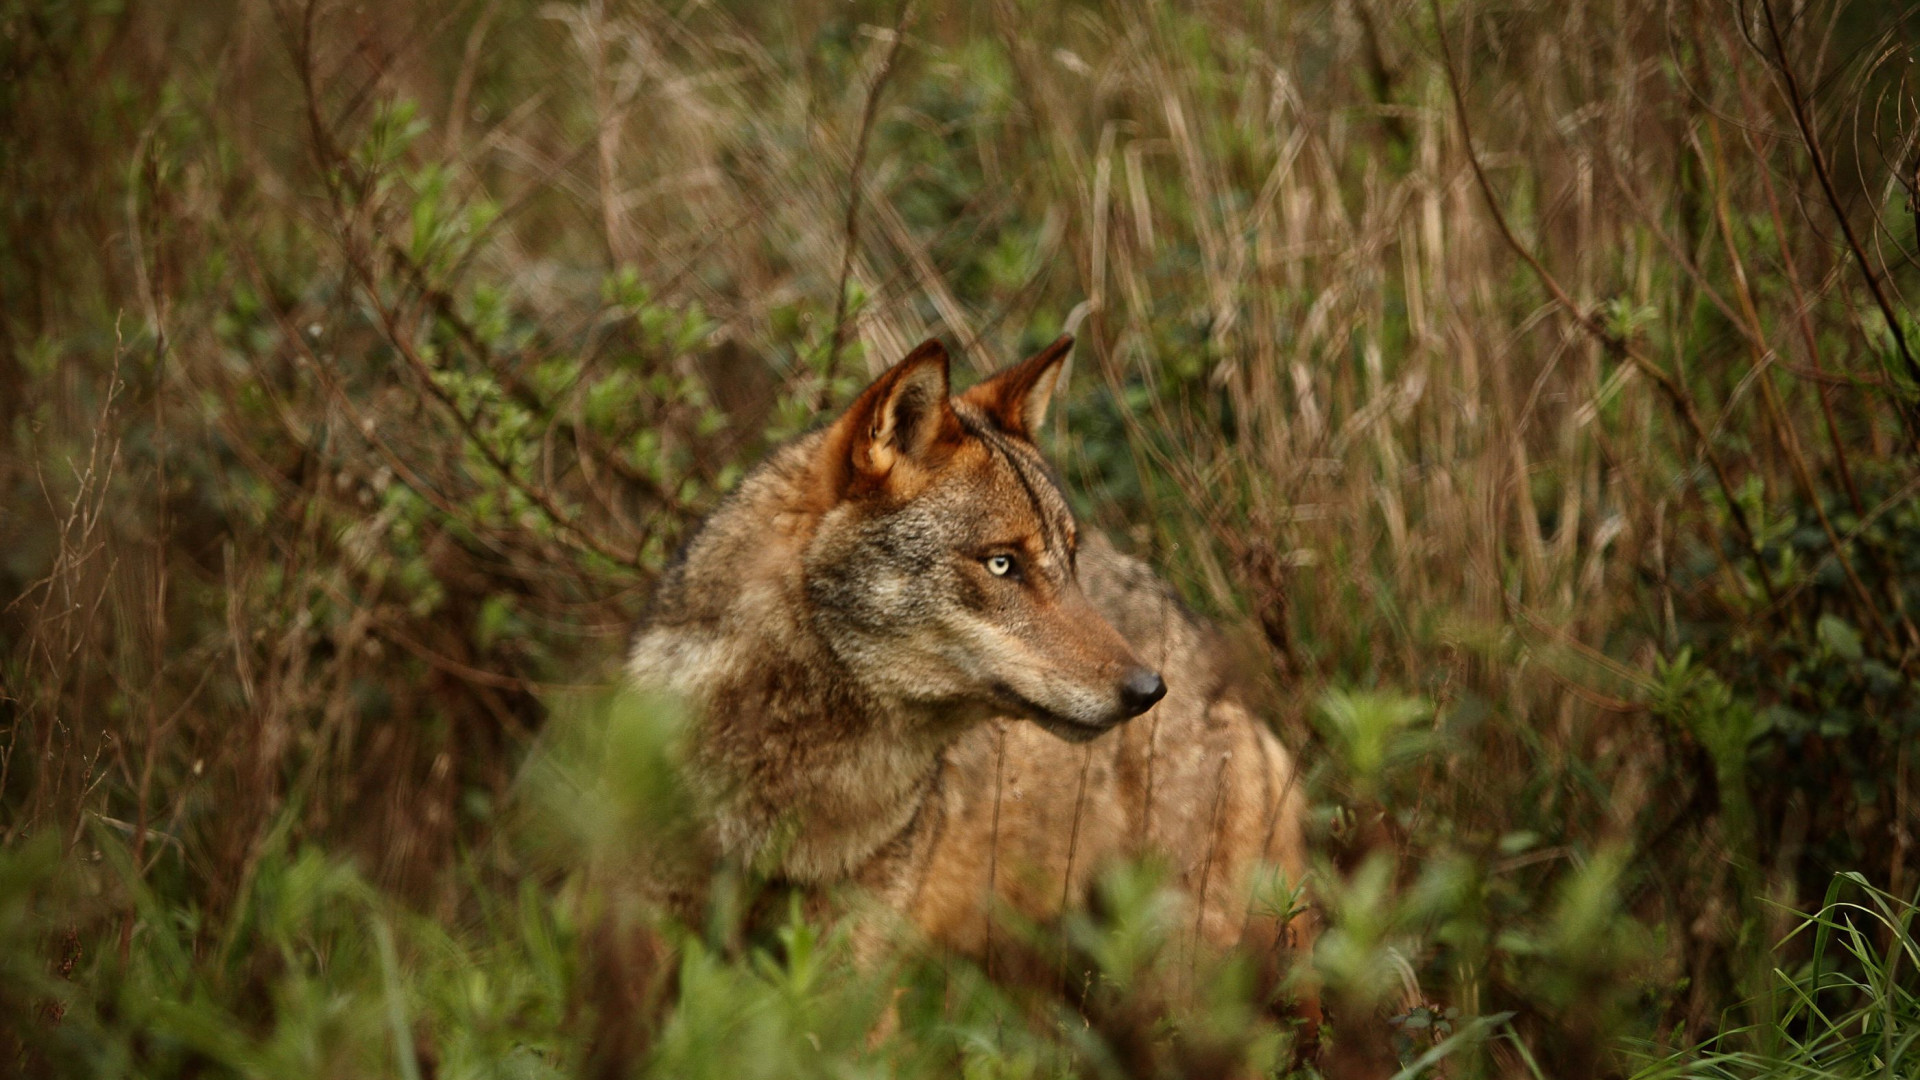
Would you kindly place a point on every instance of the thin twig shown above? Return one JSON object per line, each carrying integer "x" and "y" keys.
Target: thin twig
{"x": 1818, "y": 158}
{"x": 1592, "y": 323}
{"x": 852, "y": 227}
{"x": 1763, "y": 356}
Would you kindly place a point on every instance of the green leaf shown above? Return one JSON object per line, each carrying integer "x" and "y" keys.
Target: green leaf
{"x": 1839, "y": 637}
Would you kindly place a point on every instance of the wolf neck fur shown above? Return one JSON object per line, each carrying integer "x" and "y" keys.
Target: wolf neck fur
{"x": 805, "y": 774}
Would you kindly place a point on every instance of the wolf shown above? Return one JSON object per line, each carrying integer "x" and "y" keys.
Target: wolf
{"x": 912, "y": 672}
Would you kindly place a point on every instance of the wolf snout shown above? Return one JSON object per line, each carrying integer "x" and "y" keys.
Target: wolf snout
{"x": 1140, "y": 690}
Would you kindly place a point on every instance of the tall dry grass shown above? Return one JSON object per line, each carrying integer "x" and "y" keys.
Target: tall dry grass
{"x": 1549, "y": 367}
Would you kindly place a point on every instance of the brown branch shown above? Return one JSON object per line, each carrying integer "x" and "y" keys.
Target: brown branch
{"x": 334, "y": 164}
{"x": 1771, "y": 398}
{"x": 1818, "y": 373}
{"x": 1591, "y": 322}
{"x": 469, "y": 428}
{"x": 1782, "y": 425}
{"x": 852, "y": 227}
{"x": 444, "y": 309}
{"x": 1820, "y": 170}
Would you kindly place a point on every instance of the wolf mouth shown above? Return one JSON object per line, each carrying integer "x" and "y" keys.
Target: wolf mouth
{"x": 1064, "y": 727}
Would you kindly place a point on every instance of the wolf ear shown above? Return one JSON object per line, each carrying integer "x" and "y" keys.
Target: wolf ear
{"x": 904, "y": 415}
{"x": 1016, "y": 399}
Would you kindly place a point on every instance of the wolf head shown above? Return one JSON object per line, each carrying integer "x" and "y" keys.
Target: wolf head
{"x": 942, "y": 571}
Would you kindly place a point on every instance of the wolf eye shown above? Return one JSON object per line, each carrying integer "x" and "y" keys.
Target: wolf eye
{"x": 1000, "y": 565}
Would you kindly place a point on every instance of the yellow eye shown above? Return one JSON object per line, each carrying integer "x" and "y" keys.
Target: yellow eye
{"x": 999, "y": 565}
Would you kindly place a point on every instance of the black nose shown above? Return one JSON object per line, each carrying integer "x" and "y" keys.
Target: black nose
{"x": 1140, "y": 690}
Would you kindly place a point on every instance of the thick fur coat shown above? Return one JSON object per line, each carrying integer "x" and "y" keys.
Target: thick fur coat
{"x": 911, "y": 673}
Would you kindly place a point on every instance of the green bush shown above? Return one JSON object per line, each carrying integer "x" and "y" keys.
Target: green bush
{"x": 1528, "y": 390}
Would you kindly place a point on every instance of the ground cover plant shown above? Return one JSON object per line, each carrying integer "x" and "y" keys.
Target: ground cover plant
{"x": 1531, "y": 390}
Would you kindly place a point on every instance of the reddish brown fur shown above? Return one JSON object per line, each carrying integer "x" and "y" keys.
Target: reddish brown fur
{"x": 857, "y": 630}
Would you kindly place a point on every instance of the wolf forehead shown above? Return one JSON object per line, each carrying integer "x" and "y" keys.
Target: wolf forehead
{"x": 992, "y": 494}
{"x": 1021, "y": 485}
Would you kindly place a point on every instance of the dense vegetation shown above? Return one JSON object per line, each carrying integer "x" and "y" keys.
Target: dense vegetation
{"x": 1531, "y": 389}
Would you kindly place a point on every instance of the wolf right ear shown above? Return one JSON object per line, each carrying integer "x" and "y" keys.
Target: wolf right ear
{"x": 1016, "y": 399}
{"x": 904, "y": 415}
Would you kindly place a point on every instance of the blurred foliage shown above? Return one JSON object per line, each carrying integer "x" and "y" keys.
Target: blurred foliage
{"x": 361, "y": 366}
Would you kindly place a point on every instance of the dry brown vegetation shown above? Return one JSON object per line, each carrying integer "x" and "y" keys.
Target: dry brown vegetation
{"x": 1533, "y": 390}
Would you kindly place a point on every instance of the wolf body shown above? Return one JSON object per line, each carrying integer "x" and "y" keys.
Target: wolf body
{"x": 909, "y": 672}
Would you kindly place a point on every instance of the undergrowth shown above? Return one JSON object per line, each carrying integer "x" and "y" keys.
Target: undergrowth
{"x": 1531, "y": 391}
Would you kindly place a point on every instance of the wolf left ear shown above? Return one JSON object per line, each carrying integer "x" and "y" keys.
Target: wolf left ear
{"x": 904, "y": 415}
{"x": 1016, "y": 399}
